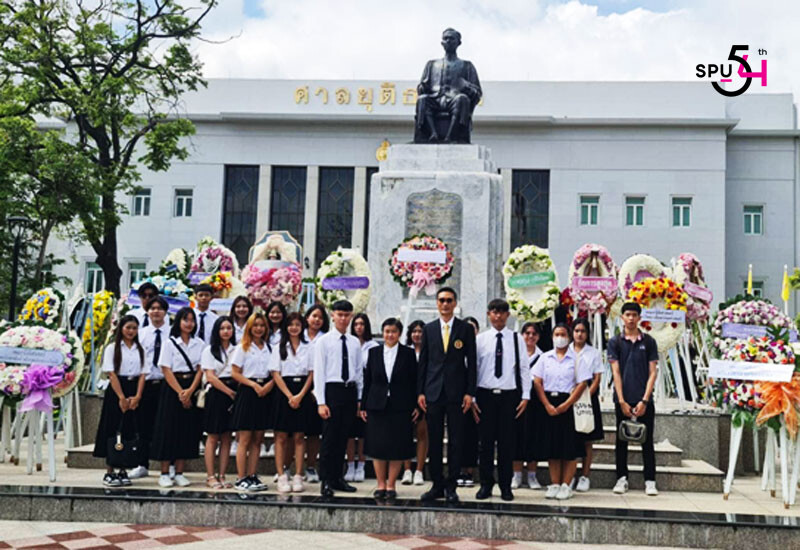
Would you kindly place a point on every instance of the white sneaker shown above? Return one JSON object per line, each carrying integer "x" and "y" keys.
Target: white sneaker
{"x": 350, "y": 475}
{"x": 418, "y": 478}
{"x": 564, "y": 492}
{"x": 360, "y": 475}
{"x": 650, "y": 488}
{"x": 297, "y": 484}
{"x": 181, "y": 481}
{"x": 138, "y": 472}
{"x": 165, "y": 481}
{"x": 533, "y": 481}
{"x": 312, "y": 476}
{"x": 552, "y": 491}
{"x": 583, "y": 484}
{"x": 408, "y": 478}
{"x": 275, "y": 478}
{"x": 622, "y": 486}
{"x": 172, "y": 471}
{"x": 283, "y": 484}
{"x": 516, "y": 480}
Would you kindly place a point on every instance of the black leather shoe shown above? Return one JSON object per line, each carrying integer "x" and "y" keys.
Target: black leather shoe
{"x": 326, "y": 490}
{"x": 379, "y": 494}
{"x": 390, "y": 494}
{"x": 342, "y": 485}
{"x": 484, "y": 492}
{"x": 506, "y": 494}
{"x": 450, "y": 496}
{"x": 433, "y": 494}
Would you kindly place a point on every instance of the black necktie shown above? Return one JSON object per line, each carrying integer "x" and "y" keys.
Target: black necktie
{"x": 157, "y": 348}
{"x": 202, "y": 326}
{"x": 146, "y": 320}
{"x": 345, "y": 361}
{"x": 498, "y": 356}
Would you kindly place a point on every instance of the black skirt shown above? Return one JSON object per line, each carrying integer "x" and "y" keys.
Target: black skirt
{"x": 219, "y": 409}
{"x": 148, "y": 408}
{"x": 389, "y": 435}
{"x": 597, "y": 434}
{"x": 291, "y": 420}
{"x": 557, "y": 438}
{"x": 251, "y": 412}
{"x": 111, "y": 415}
{"x": 178, "y": 430}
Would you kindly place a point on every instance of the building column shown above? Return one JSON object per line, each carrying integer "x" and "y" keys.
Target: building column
{"x": 507, "y": 210}
{"x": 359, "y": 208}
{"x": 264, "y": 208}
{"x": 310, "y": 221}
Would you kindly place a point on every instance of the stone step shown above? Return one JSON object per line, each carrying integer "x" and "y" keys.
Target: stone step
{"x": 666, "y": 454}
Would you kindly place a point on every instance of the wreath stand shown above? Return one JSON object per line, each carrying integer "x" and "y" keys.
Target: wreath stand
{"x": 5, "y": 429}
{"x": 664, "y": 383}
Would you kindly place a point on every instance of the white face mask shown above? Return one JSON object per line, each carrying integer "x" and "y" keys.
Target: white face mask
{"x": 560, "y": 342}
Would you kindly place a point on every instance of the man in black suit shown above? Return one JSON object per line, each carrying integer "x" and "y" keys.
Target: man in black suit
{"x": 447, "y": 354}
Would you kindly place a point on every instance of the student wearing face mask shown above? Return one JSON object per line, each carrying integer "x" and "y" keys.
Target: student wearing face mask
{"x": 559, "y": 381}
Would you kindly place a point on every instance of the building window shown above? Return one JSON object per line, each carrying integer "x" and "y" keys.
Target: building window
{"x": 240, "y": 209}
{"x": 758, "y": 288}
{"x": 141, "y": 202}
{"x": 288, "y": 201}
{"x": 681, "y": 211}
{"x": 95, "y": 281}
{"x": 589, "y": 207}
{"x": 530, "y": 203}
{"x": 137, "y": 272}
{"x": 183, "y": 203}
{"x": 371, "y": 170}
{"x": 634, "y": 211}
{"x": 335, "y": 210}
{"x": 753, "y": 220}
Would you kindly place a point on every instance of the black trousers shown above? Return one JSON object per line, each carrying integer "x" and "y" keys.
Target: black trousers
{"x": 648, "y": 450}
{"x": 497, "y": 426}
{"x": 342, "y": 402}
{"x": 437, "y": 412}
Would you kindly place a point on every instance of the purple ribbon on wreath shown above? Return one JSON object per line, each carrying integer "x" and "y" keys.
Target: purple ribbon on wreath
{"x": 36, "y": 384}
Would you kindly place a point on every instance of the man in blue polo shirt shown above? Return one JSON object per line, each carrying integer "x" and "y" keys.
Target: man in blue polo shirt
{"x": 634, "y": 364}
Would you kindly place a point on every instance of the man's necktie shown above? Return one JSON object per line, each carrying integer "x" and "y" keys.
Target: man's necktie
{"x": 146, "y": 320}
{"x": 345, "y": 361}
{"x": 202, "y": 326}
{"x": 498, "y": 356}
{"x": 446, "y": 337}
{"x": 157, "y": 348}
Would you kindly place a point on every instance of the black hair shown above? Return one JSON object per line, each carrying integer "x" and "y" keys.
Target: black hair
{"x": 160, "y": 300}
{"x": 452, "y": 30}
{"x": 411, "y": 328}
{"x": 216, "y": 341}
{"x": 342, "y": 305}
{"x": 204, "y": 287}
{"x": 632, "y": 306}
{"x": 528, "y": 325}
{"x": 565, "y": 327}
{"x": 585, "y": 322}
{"x": 270, "y": 329}
{"x": 326, "y": 321}
{"x": 449, "y": 289}
{"x": 392, "y": 322}
{"x": 284, "y": 345}
{"x": 236, "y": 301}
{"x": 144, "y": 287}
{"x": 474, "y": 322}
{"x": 367, "y": 336}
{"x": 498, "y": 304}
{"x": 118, "y": 342}
{"x": 175, "y": 330}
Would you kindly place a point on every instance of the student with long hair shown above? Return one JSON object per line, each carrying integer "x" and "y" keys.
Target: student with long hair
{"x": 124, "y": 363}
{"x": 526, "y": 424}
{"x": 414, "y": 340}
{"x": 317, "y": 324}
{"x": 216, "y": 363}
{"x": 276, "y": 321}
{"x": 361, "y": 328}
{"x": 241, "y": 310}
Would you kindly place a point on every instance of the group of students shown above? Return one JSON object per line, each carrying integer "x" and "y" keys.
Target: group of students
{"x": 326, "y": 388}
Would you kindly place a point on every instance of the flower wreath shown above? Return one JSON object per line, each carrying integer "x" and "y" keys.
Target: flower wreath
{"x": 687, "y": 268}
{"x": 417, "y": 275}
{"x": 660, "y": 292}
{"x": 44, "y": 308}
{"x": 176, "y": 263}
{"x": 102, "y": 306}
{"x": 269, "y": 280}
{"x": 535, "y": 303}
{"x": 225, "y": 285}
{"x": 344, "y": 262}
{"x": 168, "y": 286}
{"x": 213, "y": 257}
{"x": 596, "y": 258}
{"x": 745, "y": 311}
{"x": 275, "y": 247}
{"x": 741, "y": 398}
{"x": 636, "y": 268}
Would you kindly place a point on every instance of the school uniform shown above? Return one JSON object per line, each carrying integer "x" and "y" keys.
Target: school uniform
{"x": 130, "y": 369}
{"x": 152, "y": 339}
{"x": 556, "y": 435}
{"x": 503, "y": 380}
{"x": 238, "y": 331}
{"x": 205, "y": 322}
{"x": 357, "y": 430}
{"x": 294, "y": 370}
{"x": 218, "y": 413}
{"x": 314, "y": 426}
{"x": 178, "y": 430}
{"x": 525, "y": 425}
{"x": 592, "y": 357}
{"x": 251, "y": 412}
{"x": 338, "y": 381}
{"x": 390, "y": 397}
{"x": 141, "y": 316}
{"x": 274, "y": 340}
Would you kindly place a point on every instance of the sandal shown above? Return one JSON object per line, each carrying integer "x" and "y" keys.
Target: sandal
{"x": 212, "y": 482}
{"x": 225, "y": 484}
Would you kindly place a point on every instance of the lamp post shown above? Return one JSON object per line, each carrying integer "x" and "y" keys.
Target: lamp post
{"x": 16, "y": 226}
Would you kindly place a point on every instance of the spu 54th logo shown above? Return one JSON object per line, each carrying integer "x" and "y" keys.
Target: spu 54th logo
{"x": 736, "y": 70}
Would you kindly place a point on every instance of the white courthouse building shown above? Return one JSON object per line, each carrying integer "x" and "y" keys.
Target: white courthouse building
{"x": 653, "y": 167}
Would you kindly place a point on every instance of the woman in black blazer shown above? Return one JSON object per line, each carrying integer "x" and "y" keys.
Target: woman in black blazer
{"x": 389, "y": 407}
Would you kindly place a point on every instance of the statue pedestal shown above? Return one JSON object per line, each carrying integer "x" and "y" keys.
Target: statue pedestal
{"x": 452, "y": 192}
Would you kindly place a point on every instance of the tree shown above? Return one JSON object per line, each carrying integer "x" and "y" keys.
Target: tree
{"x": 114, "y": 71}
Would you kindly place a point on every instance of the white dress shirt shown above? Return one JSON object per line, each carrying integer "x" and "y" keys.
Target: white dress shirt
{"x": 328, "y": 362}
{"x": 238, "y": 331}
{"x": 275, "y": 339}
{"x": 559, "y": 376}
{"x": 211, "y": 318}
{"x": 311, "y": 340}
{"x": 140, "y": 314}
{"x": 221, "y": 368}
{"x": 254, "y": 362}
{"x": 389, "y": 359}
{"x": 486, "y": 343}
{"x": 131, "y": 364}
{"x": 172, "y": 359}
{"x": 449, "y": 324}
{"x": 591, "y": 357}
{"x": 295, "y": 364}
{"x": 147, "y": 337}
{"x": 365, "y": 347}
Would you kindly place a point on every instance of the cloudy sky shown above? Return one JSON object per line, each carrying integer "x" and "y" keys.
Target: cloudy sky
{"x": 506, "y": 39}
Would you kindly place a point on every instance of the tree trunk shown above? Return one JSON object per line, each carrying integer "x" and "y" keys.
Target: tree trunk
{"x": 107, "y": 260}
{"x": 46, "y": 230}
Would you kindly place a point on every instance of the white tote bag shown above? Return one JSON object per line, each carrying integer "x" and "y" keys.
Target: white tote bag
{"x": 582, "y": 408}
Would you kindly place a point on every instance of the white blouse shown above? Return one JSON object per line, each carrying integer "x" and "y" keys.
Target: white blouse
{"x": 131, "y": 364}
{"x": 275, "y": 339}
{"x": 312, "y": 340}
{"x": 590, "y": 357}
{"x": 295, "y": 364}
{"x": 172, "y": 359}
{"x": 365, "y": 347}
{"x": 254, "y": 362}
{"x": 221, "y": 368}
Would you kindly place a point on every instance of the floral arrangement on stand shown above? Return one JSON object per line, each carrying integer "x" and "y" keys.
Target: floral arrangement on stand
{"x": 688, "y": 272}
{"x": 176, "y": 264}
{"x": 636, "y": 268}
{"x": 43, "y": 308}
{"x": 745, "y": 311}
{"x": 660, "y": 292}
{"x": 275, "y": 247}
{"x": 267, "y": 281}
{"x": 350, "y": 264}
{"x": 592, "y": 260}
{"x": 102, "y": 306}
{"x": 168, "y": 286}
{"x": 225, "y": 285}
{"x": 213, "y": 257}
{"x": 421, "y": 275}
{"x": 741, "y": 399}
{"x": 536, "y": 302}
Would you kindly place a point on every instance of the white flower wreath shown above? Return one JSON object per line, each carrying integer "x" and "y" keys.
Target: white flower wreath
{"x": 533, "y": 303}
{"x": 344, "y": 262}
{"x": 637, "y": 267}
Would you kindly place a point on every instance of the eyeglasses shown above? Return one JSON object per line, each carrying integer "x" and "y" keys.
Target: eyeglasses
{"x": 446, "y": 300}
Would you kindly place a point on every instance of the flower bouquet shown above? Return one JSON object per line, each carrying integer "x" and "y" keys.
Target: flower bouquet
{"x": 225, "y": 285}
{"x": 531, "y": 283}
{"x": 213, "y": 258}
{"x": 267, "y": 281}
{"x": 665, "y": 293}
{"x": 344, "y": 275}
{"x": 418, "y": 275}
{"x": 43, "y": 308}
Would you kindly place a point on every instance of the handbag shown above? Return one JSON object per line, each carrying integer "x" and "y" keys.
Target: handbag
{"x": 124, "y": 453}
{"x": 582, "y": 408}
{"x": 200, "y": 395}
{"x": 632, "y": 431}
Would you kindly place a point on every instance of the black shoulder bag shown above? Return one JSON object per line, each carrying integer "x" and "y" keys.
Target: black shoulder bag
{"x": 124, "y": 453}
